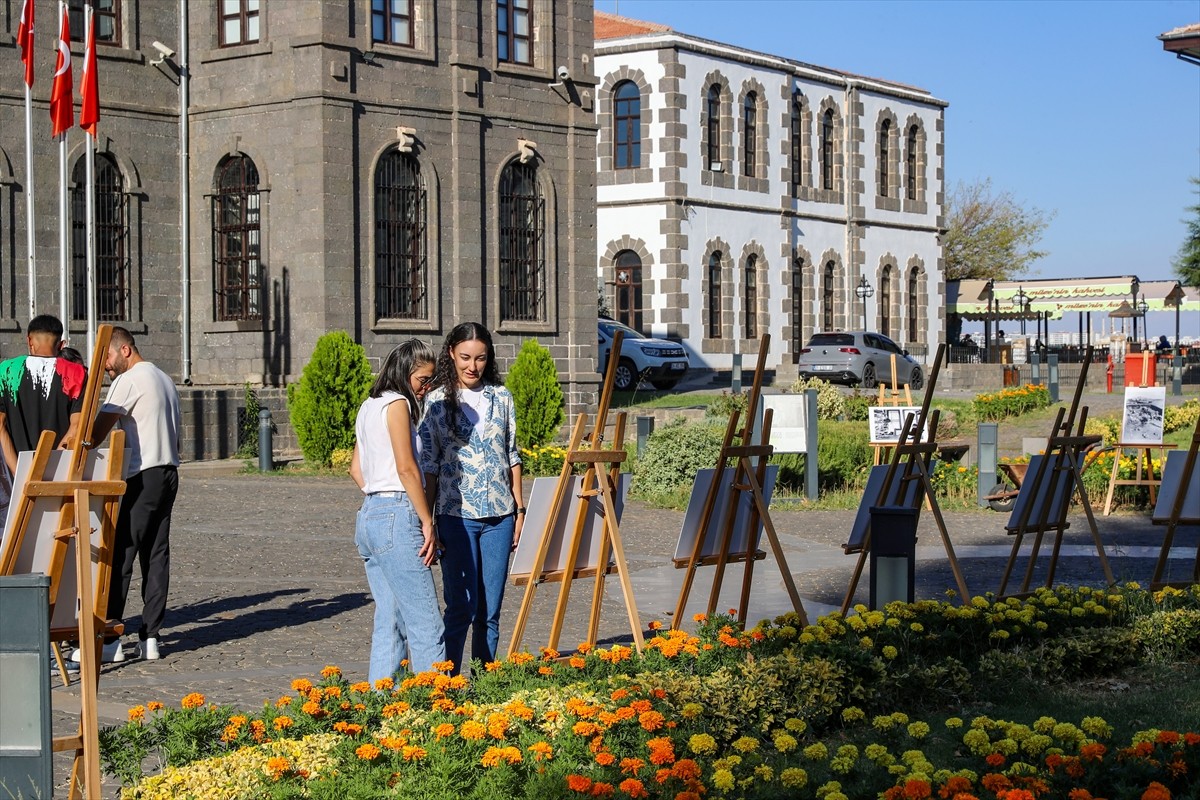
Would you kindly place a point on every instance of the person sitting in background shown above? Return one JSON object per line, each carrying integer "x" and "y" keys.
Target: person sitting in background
{"x": 1164, "y": 344}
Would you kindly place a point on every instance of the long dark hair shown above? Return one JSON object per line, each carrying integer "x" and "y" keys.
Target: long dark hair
{"x": 446, "y": 376}
{"x": 398, "y": 367}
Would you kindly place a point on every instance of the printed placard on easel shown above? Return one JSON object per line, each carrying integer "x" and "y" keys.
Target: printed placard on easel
{"x": 887, "y": 422}
{"x": 1142, "y": 418}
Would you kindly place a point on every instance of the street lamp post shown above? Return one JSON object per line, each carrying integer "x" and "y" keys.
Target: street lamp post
{"x": 1019, "y": 301}
{"x": 1142, "y": 308}
{"x": 990, "y": 287}
{"x": 864, "y": 290}
{"x": 1133, "y": 290}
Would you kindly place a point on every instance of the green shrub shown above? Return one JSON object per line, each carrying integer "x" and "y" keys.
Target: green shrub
{"x": 537, "y": 396}
{"x": 726, "y": 404}
{"x": 323, "y": 405}
{"x": 1013, "y": 402}
{"x": 843, "y": 455}
{"x": 831, "y": 403}
{"x": 1107, "y": 427}
{"x": 248, "y": 447}
{"x": 1182, "y": 416}
{"x": 857, "y": 406}
{"x": 673, "y": 455}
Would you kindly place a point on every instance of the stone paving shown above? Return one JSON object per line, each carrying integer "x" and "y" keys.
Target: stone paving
{"x": 267, "y": 585}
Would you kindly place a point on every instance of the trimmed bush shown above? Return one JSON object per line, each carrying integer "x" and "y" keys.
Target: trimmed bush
{"x": 999, "y": 406}
{"x": 673, "y": 455}
{"x": 831, "y": 403}
{"x": 726, "y": 404}
{"x": 323, "y": 405}
{"x": 537, "y": 396}
{"x": 1182, "y": 416}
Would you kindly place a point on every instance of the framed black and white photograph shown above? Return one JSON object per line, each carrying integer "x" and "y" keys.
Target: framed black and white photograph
{"x": 1142, "y": 422}
{"x": 888, "y": 421}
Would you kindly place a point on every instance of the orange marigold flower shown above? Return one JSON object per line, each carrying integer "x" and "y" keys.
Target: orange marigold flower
{"x": 392, "y": 742}
{"x": 687, "y": 795}
{"x": 660, "y": 694}
{"x": 384, "y": 684}
{"x": 579, "y": 783}
{"x": 1079, "y": 794}
{"x": 137, "y": 713}
{"x": 662, "y": 750}
{"x": 1190, "y": 739}
{"x": 1156, "y": 791}
{"x": 650, "y": 720}
{"x": 996, "y": 760}
{"x": 444, "y": 730}
{"x": 632, "y": 766}
{"x": 545, "y": 670}
{"x": 633, "y": 787}
{"x": 412, "y": 752}
{"x": 686, "y": 769}
{"x": 492, "y": 666}
{"x": 605, "y": 758}
{"x": 1016, "y": 794}
{"x": 312, "y": 709}
{"x": 699, "y": 617}
{"x": 625, "y": 712}
{"x": 584, "y": 648}
{"x": 333, "y": 691}
{"x": 1167, "y": 737}
{"x": 1093, "y": 751}
{"x": 541, "y": 751}
{"x": 257, "y": 729}
{"x": 917, "y": 789}
{"x": 957, "y": 784}
{"x": 995, "y": 782}
{"x": 619, "y": 694}
{"x": 602, "y": 789}
{"x": 277, "y": 765}
{"x": 521, "y": 658}
{"x": 301, "y": 685}
{"x": 472, "y": 730}
{"x": 193, "y": 700}
{"x": 458, "y": 682}
{"x": 331, "y": 672}
{"x": 282, "y": 722}
{"x": 548, "y": 654}
{"x": 443, "y": 666}
{"x": 392, "y": 709}
{"x": 585, "y": 728}
{"x": 444, "y": 704}
{"x": 344, "y": 705}
{"x": 495, "y": 756}
{"x": 655, "y": 625}
{"x": 283, "y": 702}
{"x": 367, "y": 752}
{"x": 154, "y": 705}
{"x": 577, "y": 662}
{"x": 641, "y": 706}
{"x": 361, "y": 686}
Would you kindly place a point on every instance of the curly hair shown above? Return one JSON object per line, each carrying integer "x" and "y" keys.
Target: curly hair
{"x": 445, "y": 375}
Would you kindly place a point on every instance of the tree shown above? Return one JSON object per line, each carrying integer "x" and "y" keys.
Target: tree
{"x": 322, "y": 407}
{"x": 537, "y": 396}
{"x": 1187, "y": 265}
{"x": 990, "y": 235}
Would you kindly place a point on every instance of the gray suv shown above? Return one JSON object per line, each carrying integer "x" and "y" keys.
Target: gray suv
{"x": 858, "y": 357}
{"x": 659, "y": 361}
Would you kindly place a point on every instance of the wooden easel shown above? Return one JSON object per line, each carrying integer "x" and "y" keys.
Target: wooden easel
{"x": 1179, "y": 514}
{"x": 747, "y": 478}
{"x": 1041, "y": 506}
{"x": 910, "y": 462}
{"x": 76, "y": 493}
{"x": 898, "y": 395}
{"x": 597, "y": 482}
{"x": 1144, "y": 459}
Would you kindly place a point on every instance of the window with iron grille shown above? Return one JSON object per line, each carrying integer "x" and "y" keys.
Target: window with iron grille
{"x": 885, "y": 130}
{"x": 827, "y": 150}
{"x": 713, "y": 109}
{"x": 714, "y": 296}
{"x": 797, "y": 307}
{"x": 237, "y": 242}
{"x": 912, "y": 305}
{"x": 797, "y": 146}
{"x": 627, "y": 125}
{"x": 749, "y": 134}
{"x": 108, "y": 20}
{"x": 514, "y": 31}
{"x": 628, "y": 286}
{"x": 522, "y": 245}
{"x": 112, "y": 238}
{"x": 401, "y": 286}
{"x": 239, "y": 23}
{"x": 827, "y": 296}
{"x": 912, "y": 163}
{"x": 392, "y": 22}
{"x": 885, "y": 302}
{"x": 750, "y": 309}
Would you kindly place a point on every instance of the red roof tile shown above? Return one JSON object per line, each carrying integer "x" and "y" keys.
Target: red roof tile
{"x": 610, "y": 26}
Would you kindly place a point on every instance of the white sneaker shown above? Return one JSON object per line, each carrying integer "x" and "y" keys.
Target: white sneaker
{"x": 148, "y": 649}
{"x": 111, "y": 653}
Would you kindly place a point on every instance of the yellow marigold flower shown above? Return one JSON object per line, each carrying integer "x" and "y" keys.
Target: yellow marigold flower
{"x": 137, "y": 713}
{"x": 331, "y": 672}
{"x": 1096, "y": 727}
{"x": 890, "y": 652}
{"x": 817, "y": 752}
{"x": 796, "y": 725}
{"x": 794, "y": 778}
{"x": 367, "y": 752}
{"x": 193, "y": 700}
{"x": 746, "y": 744}
{"x": 723, "y": 779}
{"x": 785, "y": 742}
{"x": 702, "y": 744}
{"x": 918, "y": 730}
{"x": 691, "y": 710}
{"x": 154, "y": 705}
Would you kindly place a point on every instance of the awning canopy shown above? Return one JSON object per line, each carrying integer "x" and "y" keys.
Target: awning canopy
{"x": 1052, "y": 298}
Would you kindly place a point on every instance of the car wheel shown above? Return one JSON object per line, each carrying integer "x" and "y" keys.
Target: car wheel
{"x": 868, "y": 377}
{"x": 1005, "y": 504}
{"x": 916, "y": 380}
{"x": 663, "y": 386}
{"x": 626, "y": 378}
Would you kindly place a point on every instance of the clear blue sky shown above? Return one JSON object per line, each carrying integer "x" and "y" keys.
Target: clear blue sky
{"x": 1073, "y": 107}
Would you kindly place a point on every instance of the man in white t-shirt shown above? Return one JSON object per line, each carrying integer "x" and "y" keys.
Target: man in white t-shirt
{"x": 143, "y": 401}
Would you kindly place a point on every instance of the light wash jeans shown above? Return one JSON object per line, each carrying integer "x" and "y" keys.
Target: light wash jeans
{"x": 408, "y": 623}
{"x": 474, "y": 569}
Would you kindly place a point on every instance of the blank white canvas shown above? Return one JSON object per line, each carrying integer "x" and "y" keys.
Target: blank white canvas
{"x": 741, "y": 520}
{"x": 537, "y": 512}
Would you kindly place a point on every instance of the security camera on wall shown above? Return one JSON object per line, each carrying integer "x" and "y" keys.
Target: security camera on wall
{"x": 164, "y": 52}
{"x": 563, "y": 74}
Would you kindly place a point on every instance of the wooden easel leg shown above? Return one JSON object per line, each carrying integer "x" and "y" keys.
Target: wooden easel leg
{"x": 858, "y": 569}
{"x": 1160, "y": 566}
{"x": 1150, "y": 475}
{"x": 1091, "y": 518}
{"x": 735, "y": 499}
{"x": 614, "y": 535}
{"x": 935, "y": 509}
{"x": 1112, "y": 481}
{"x": 777, "y": 550}
{"x": 610, "y": 478}
{"x": 89, "y": 668}
{"x": 564, "y": 589}
{"x": 1033, "y": 554}
{"x": 1012, "y": 560}
{"x": 61, "y": 663}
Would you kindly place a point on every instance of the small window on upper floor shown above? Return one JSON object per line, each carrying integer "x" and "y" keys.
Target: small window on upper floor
{"x": 514, "y": 31}
{"x": 911, "y": 163}
{"x": 108, "y": 20}
{"x": 240, "y": 22}
{"x": 885, "y": 132}
{"x": 392, "y": 22}
{"x": 749, "y": 134}
{"x": 713, "y": 128}
{"x": 627, "y": 126}
{"x": 827, "y": 150}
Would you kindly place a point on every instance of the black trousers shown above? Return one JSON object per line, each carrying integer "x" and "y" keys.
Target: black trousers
{"x": 144, "y": 533}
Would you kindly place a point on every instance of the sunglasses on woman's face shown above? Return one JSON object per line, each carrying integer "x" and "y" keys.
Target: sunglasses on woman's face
{"x": 425, "y": 380}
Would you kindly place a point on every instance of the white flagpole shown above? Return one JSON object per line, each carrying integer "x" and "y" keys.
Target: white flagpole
{"x": 29, "y": 229}
{"x": 91, "y": 217}
{"x": 64, "y": 304}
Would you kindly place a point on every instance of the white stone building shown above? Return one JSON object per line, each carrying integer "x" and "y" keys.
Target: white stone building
{"x": 741, "y": 193}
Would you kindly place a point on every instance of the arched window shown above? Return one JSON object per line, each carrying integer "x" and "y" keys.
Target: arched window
{"x": 912, "y": 305}
{"x": 401, "y": 213}
{"x": 797, "y": 307}
{"x": 112, "y": 241}
{"x": 627, "y": 126}
{"x": 750, "y": 297}
{"x": 714, "y": 296}
{"x": 885, "y": 302}
{"x": 522, "y": 245}
{"x": 797, "y": 154}
{"x": 885, "y": 130}
{"x": 628, "y": 287}
{"x": 713, "y": 110}
{"x": 912, "y": 163}
{"x": 827, "y": 296}
{"x": 827, "y": 150}
{"x": 749, "y": 134}
{"x": 237, "y": 241}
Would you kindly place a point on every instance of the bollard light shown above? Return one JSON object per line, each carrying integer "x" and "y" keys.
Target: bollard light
{"x": 1177, "y": 374}
{"x": 810, "y": 444}
{"x": 26, "y": 763}
{"x": 735, "y": 384}
{"x": 645, "y": 427}
{"x": 989, "y": 438}
{"x": 893, "y": 555}
{"x": 1052, "y": 376}
{"x": 266, "y": 460}
{"x": 1035, "y": 365}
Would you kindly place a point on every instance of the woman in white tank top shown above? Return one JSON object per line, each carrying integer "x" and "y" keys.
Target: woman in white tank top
{"x": 394, "y": 528}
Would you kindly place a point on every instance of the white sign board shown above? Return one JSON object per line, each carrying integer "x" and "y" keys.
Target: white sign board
{"x": 789, "y": 421}
{"x": 1142, "y": 421}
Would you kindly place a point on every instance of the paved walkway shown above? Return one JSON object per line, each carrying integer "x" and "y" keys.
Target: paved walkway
{"x": 267, "y": 585}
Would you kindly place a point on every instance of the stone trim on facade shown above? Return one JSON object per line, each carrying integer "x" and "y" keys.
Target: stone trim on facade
{"x": 608, "y": 273}
{"x": 723, "y": 344}
{"x": 887, "y": 200}
{"x": 759, "y": 181}
{"x": 918, "y": 204}
{"x": 839, "y": 299}
{"x": 549, "y": 312}
{"x": 793, "y": 99}
{"x": 887, "y": 276}
{"x": 762, "y": 286}
{"x": 916, "y": 267}
{"x": 673, "y": 146}
{"x": 819, "y": 193}
{"x": 606, "y": 174}
{"x": 708, "y": 176}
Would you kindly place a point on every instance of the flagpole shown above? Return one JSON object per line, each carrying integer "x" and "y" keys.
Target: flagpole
{"x": 89, "y": 64}
{"x": 64, "y": 301}
{"x": 29, "y": 229}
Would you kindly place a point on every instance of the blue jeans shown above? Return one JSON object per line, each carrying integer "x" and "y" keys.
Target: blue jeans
{"x": 408, "y": 623}
{"x": 474, "y": 569}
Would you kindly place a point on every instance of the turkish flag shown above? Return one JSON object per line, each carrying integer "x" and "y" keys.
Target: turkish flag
{"x": 62, "y": 101}
{"x": 89, "y": 111}
{"x": 25, "y": 39}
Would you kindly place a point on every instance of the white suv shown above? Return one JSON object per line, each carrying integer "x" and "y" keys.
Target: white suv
{"x": 659, "y": 361}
